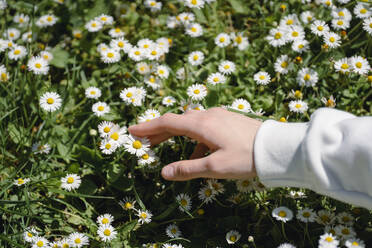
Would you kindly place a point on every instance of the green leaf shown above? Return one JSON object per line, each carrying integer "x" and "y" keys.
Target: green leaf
{"x": 101, "y": 7}
{"x": 60, "y": 57}
{"x": 238, "y": 6}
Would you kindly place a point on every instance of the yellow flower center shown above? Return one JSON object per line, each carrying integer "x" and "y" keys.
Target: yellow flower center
{"x": 105, "y": 221}
{"x": 208, "y": 192}
{"x": 277, "y": 36}
{"x": 143, "y": 215}
{"x": 226, "y": 67}
{"x": 307, "y": 77}
{"x": 239, "y": 39}
{"x": 284, "y": 64}
{"x": 29, "y": 234}
{"x": 154, "y": 53}
{"x": 298, "y": 105}
{"x": 70, "y": 180}
{"x": 344, "y": 66}
{"x": 40, "y": 243}
{"x": 216, "y": 79}
{"x": 332, "y": 39}
{"x": 65, "y": 245}
{"x": 358, "y": 64}
{"x": 282, "y": 119}
{"x": 152, "y": 80}
{"x": 120, "y": 44}
{"x": 16, "y": 52}
{"x": 117, "y": 30}
{"x": 77, "y": 241}
{"x": 233, "y": 238}
{"x": 341, "y": 13}
{"x": 114, "y": 136}
{"x": 345, "y": 231}
{"x": 222, "y": 39}
{"x": 108, "y": 146}
{"x": 325, "y": 218}
{"x": 50, "y": 100}
{"x": 196, "y": 57}
{"x": 196, "y": 91}
{"x": 128, "y": 205}
{"x": 137, "y": 52}
{"x": 328, "y": 3}
{"x": 298, "y": 94}
{"x": 38, "y": 65}
{"x": 289, "y": 22}
{"x": 137, "y": 144}
{"x": 306, "y": 214}
{"x": 4, "y": 76}
{"x": 370, "y": 25}
{"x": 294, "y": 33}
{"x": 355, "y": 243}
{"x": 183, "y": 202}
{"x": 49, "y": 19}
{"x": 46, "y": 57}
{"x": 110, "y": 55}
{"x": 107, "y": 232}
{"x": 363, "y": 11}
{"x": 145, "y": 156}
{"x": 340, "y": 22}
{"x": 329, "y": 239}
{"x": 193, "y": 29}
{"x": 300, "y": 46}
{"x": 173, "y": 230}
{"x": 262, "y": 77}
{"x": 194, "y": 2}
{"x": 309, "y": 18}
{"x": 101, "y": 108}
{"x": 282, "y": 214}
{"x": 152, "y": 3}
{"x": 21, "y": 20}
{"x": 106, "y": 130}
{"x": 320, "y": 28}
{"x": 161, "y": 72}
{"x": 345, "y": 219}
{"x": 129, "y": 94}
{"x": 201, "y": 211}
{"x": 240, "y": 106}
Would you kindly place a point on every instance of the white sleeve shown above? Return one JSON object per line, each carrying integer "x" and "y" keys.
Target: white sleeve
{"x": 331, "y": 154}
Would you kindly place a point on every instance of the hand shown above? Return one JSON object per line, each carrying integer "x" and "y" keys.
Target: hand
{"x": 228, "y": 135}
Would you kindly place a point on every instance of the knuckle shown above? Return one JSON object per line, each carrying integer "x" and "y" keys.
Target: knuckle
{"x": 211, "y": 164}
{"x": 182, "y": 171}
{"x": 166, "y": 118}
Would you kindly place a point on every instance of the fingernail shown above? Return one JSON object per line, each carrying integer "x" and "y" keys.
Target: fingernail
{"x": 168, "y": 172}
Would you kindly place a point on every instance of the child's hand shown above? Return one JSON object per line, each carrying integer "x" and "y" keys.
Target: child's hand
{"x": 229, "y": 136}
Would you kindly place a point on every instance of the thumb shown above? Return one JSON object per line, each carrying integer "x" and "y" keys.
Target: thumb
{"x": 186, "y": 169}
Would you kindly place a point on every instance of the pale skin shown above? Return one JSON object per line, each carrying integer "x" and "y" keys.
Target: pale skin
{"x": 227, "y": 135}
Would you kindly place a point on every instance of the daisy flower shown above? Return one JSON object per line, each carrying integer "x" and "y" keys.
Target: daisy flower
{"x": 78, "y": 239}
{"x": 206, "y": 194}
{"x": 162, "y": 71}
{"x": 180, "y": 73}
{"x": 17, "y": 52}
{"x": 286, "y": 245}
{"x": 21, "y": 181}
{"x": 341, "y": 14}
{"x": 194, "y": 30}
{"x": 106, "y": 232}
{"x": 108, "y": 146}
{"x": 154, "y": 52}
{"x": 110, "y": 56}
{"x": 77, "y": 34}
{"x": 331, "y": 102}
{"x": 40, "y": 242}
{"x": 143, "y": 68}
{"x": 92, "y": 92}
{"x": 282, "y": 64}
{"x": 49, "y": 20}
{"x": 226, "y": 67}
{"x": 245, "y": 186}
{"x": 241, "y": 105}
{"x": 222, "y": 40}
{"x": 289, "y": 20}
{"x": 325, "y": 217}
{"x": 197, "y": 92}
{"x": 196, "y": 58}
{"x": 29, "y": 234}
{"x": 232, "y": 237}
{"x": 144, "y": 216}
{"x": 38, "y": 65}
{"x": 362, "y": 11}
{"x": 298, "y": 106}
{"x": 93, "y": 26}
{"x": 116, "y": 33}
{"x": 104, "y": 128}
{"x": 70, "y": 182}
{"x": 148, "y": 158}
{"x": 340, "y": 24}
{"x": 64, "y": 243}
{"x": 295, "y": 32}
{"x": 50, "y": 101}
{"x": 332, "y": 39}
{"x": 328, "y": 240}
{"x": 359, "y": 65}
{"x": 277, "y": 37}
{"x": 105, "y": 219}
{"x": 184, "y": 202}
{"x": 100, "y": 108}
{"x": 354, "y": 243}
{"x": 306, "y": 215}
{"x": 262, "y": 77}
{"x": 345, "y": 232}
{"x": 307, "y": 17}
{"x": 300, "y": 46}
{"x": 173, "y": 231}
{"x": 153, "y": 5}
{"x": 153, "y": 113}
{"x": 27, "y": 37}
{"x": 239, "y": 41}
{"x": 319, "y": 28}
{"x": 307, "y": 77}
{"x": 186, "y": 17}
{"x": 216, "y": 78}
{"x": 216, "y": 186}
{"x": 345, "y": 218}
{"x": 105, "y": 19}
{"x": 327, "y": 3}
{"x": 342, "y": 65}
{"x": 168, "y": 101}
{"x": 12, "y": 34}
{"x": 38, "y": 148}
{"x": 120, "y": 44}
{"x": 367, "y": 25}
{"x": 194, "y": 3}
{"x": 127, "y": 203}
{"x": 282, "y": 213}
{"x": 137, "y": 146}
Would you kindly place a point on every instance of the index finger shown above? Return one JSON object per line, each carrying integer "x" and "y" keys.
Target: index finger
{"x": 168, "y": 124}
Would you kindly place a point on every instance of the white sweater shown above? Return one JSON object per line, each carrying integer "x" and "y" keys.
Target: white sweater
{"x": 331, "y": 154}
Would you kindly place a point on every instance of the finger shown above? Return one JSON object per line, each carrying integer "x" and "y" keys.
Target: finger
{"x": 189, "y": 169}
{"x": 173, "y": 124}
{"x": 199, "y": 151}
{"x": 158, "y": 138}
